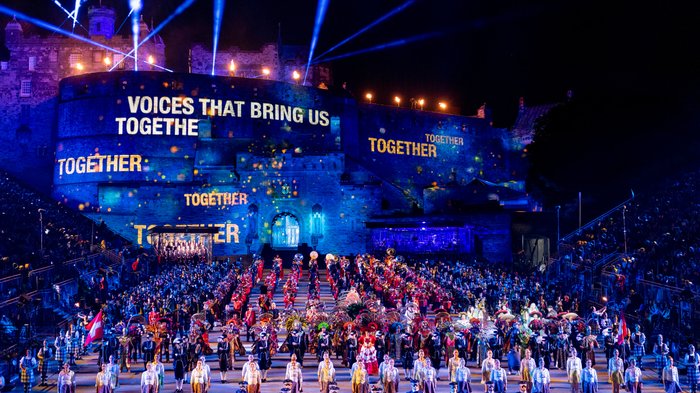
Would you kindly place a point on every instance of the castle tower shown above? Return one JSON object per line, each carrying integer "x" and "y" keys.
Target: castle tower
{"x": 101, "y": 21}
{"x": 13, "y": 32}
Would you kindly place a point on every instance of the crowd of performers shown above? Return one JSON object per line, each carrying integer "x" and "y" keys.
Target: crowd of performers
{"x": 391, "y": 322}
{"x": 170, "y": 249}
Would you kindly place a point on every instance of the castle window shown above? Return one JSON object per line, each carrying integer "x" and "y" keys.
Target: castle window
{"x": 25, "y": 88}
{"x": 74, "y": 59}
{"x": 32, "y": 63}
{"x": 97, "y": 56}
{"x": 3, "y": 65}
{"x": 118, "y": 59}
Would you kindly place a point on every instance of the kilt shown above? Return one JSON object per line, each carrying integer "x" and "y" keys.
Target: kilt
{"x": 70, "y": 348}
{"x": 660, "y": 362}
{"x": 638, "y": 350}
{"x": 44, "y": 366}
{"x": 60, "y": 356}
{"x": 26, "y": 375}
{"x": 693, "y": 374}
{"x": 617, "y": 377}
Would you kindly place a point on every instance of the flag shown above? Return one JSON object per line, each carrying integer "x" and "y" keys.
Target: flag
{"x": 135, "y": 265}
{"x": 623, "y": 329}
{"x": 95, "y": 329}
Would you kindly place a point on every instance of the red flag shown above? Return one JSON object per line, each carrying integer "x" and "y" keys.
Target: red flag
{"x": 135, "y": 265}
{"x": 95, "y": 329}
{"x": 623, "y": 329}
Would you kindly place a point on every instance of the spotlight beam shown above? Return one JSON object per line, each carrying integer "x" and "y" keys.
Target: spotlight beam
{"x": 9, "y": 12}
{"x": 369, "y": 26}
{"x": 391, "y": 44}
{"x": 218, "y": 14}
{"x": 136, "y": 7}
{"x": 69, "y": 13}
{"x": 158, "y": 28}
{"x": 124, "y": 22}
{"x": 75, "y": 13}
{"x": 320, "y": 16}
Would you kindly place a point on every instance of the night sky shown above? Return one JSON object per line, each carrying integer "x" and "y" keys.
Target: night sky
{"x": 633, "y": 66}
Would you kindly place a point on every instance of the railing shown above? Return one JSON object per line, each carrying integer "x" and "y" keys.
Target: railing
{"x": 593, "y": 222}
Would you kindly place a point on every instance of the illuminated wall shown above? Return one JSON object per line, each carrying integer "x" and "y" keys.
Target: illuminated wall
{"x": 265, "y": 161}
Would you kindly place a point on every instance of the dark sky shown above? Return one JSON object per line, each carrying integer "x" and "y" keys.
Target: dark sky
{"x": 485, "y": 51}
{"x": 634, "y": 65}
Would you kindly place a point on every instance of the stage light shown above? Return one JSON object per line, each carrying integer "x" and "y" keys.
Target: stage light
{"x": 397, "y": 100}
{"x": 151, "y": 60}
{"x": 136, "y": 6}
{"x": 369, "y": 97}
{"x": 296, "y": 76}
{"x": 266, "y": 72}
{"x": 107, "y": 60}
{"x": 421, "y": 102}
{"x": 79, "y": 66}
{"x": 442, "y": 105}
{"x": 232, "y": 68}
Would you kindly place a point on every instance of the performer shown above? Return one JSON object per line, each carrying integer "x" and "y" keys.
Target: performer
{"x": 420, "y": 369}
{"x": 26, "y": 366}
{"x": 498, "y": 377}
{"x": 262, "y": 348}
{"x": 669, "y": 377}
{"x": 453, "y": 365}
{"x": 380, "y": 344}
{"x": 633, "y": 378}
{"x": 589, "y": 378}
{"x": 60, "y": 352}
{"x": 326, "y": 373}
{"x": 324, "y": 342}
{"x": 389, "y": 377}
{"x": 294, "y": 374}
{"x": 590, "y": 342}
{"x": 464, "y": 379}
{"x": 296, "y": 342}
{"x": 66, "y": 380}
{"x": 639, "y": 340}
{"x": 407, "y": 355}
{"x": 249, "y": 320}
{"x": 368, "y": 355}
{"x": 660, "y": 354}
{"x": 207, "y": 373}
{"x": 125, "y": 348}
{"x": 179, "y": 364}
{"x": 540, "y": 379}
{"x": 247, "y": 367}
{"x": 616, "y": 368}
{"x": 692, "y": 363}
{"x": 44, "y": 356}
{"x": 487, "y": 365}
{"x": 253, "y": 378}
{"x": 527, "y": 366}
{"x": 198, "y": 379}
{"x": 149, "y": 380}
{"x": 159, "y": 369}
{"x": 113, "y": 369}
{"x": 351, "y": 348}
{"x": 149, "y": 349}
{"x": 223, "y": 351}
{"x": 573, "y": 370}
{"x": 430, "y": 382}
{"x": 103, "y": 380}
{"x": 359, "y": 380}
{"x": 70, "y": 348}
